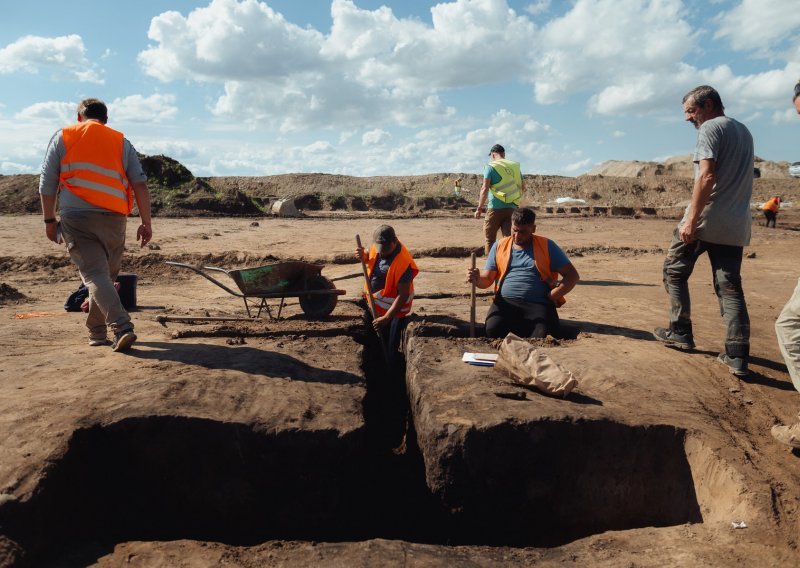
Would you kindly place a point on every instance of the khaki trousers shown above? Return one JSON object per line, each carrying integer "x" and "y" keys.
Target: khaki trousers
{"x": 496, "y": 220}
{"x": 787, "y": 329}
{"x": 95, "y": 241}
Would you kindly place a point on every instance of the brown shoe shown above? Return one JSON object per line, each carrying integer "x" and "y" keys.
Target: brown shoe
{"x": 789, "y": 435}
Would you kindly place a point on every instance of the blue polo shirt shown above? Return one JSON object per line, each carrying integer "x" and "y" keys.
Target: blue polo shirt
{"x": 522, "y": 281}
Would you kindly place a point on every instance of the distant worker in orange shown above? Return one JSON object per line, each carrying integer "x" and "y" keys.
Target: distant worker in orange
{"x": 770, "y": 209}
{"x": 93, "y": 173}
{"x": 391, "y": 271}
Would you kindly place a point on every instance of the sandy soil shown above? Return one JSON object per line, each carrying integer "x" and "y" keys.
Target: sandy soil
{"x": 52, "y": 383}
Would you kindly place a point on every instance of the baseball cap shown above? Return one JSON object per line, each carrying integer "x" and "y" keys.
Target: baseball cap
{"x": 382, "y": 236}
{"x": 497, "y": 148}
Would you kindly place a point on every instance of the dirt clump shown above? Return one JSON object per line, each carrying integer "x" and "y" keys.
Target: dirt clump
{"x": 10, "y": 295}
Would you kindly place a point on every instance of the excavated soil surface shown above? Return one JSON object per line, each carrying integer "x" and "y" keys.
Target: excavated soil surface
{"x": 288, "y": 443}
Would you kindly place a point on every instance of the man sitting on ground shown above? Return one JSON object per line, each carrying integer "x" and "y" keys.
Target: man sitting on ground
{"x": 525, "y": 267}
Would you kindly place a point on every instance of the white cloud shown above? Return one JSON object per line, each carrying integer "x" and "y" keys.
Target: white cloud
{"x": 578, "y": 166}
{"x": 789, "y": 115}
{"x": 538, "y": 7}
{"x": 618, "y": 134}
{"x": 375, "y": 137}
{"x": 759, "y": 25}
{"x": 64, "y": 55}
{"x": 372, "y": 69}
{"x": 14, "y": 168}
{"x": 55, "y": 112}
{"x": 611, "y": 46}
{"x": 229, "y": 40}
{"x": 137, "y": 108}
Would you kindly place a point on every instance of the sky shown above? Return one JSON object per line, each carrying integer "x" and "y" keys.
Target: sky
{"x": 396, "y": 87}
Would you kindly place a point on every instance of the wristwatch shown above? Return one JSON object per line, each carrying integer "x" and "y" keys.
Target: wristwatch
{"x": 50, "y": 221}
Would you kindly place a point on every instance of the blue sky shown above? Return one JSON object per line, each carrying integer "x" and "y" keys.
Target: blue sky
{"x": 400, "y": 87}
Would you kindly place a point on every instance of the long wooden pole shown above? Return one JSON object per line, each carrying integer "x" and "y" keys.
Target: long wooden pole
{"x": 472, "y": 303}
{"x": 371, "y": 300}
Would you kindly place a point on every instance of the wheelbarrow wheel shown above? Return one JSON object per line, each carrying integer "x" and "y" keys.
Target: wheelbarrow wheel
{"x": 318, "y": 305}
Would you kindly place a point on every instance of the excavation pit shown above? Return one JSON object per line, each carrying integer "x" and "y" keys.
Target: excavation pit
{"x": 478, "y": 468}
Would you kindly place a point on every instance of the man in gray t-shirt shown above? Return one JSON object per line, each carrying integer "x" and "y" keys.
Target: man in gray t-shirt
{"x": 717, "y": 221}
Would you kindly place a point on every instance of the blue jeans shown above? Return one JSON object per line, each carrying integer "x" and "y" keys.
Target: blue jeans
{"x": 726, "y": 265}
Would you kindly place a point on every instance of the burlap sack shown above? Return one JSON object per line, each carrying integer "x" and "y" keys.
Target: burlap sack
{"x": 525, "y": 364}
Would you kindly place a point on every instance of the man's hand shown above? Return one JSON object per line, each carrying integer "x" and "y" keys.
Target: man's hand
{"x": 688, "y": 230}
{"x": 478, "y": 212}
{"x": 380, "y": 322}
{"x": 50, "y": 231}
{"x": 144, "y": 233}
{"x": 472, "y": 275}
{"x": 360, "y": 253}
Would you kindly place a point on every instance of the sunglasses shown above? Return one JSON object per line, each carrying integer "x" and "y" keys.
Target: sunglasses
{"x": 797, "y": 89}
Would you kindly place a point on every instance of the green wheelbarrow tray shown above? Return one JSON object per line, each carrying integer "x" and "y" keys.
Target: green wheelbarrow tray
{"x": 290, "y": 279}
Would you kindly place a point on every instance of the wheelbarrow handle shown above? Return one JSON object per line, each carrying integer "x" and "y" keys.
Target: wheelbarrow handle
{"x": 206, "y": 276}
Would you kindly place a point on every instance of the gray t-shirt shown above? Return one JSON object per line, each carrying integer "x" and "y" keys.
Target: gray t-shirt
{"x": 726, "y": 218}
{"x": 51, "y": 168}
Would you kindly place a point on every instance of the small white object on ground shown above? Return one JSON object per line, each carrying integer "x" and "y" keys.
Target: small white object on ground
{"x": 738, "y": 525}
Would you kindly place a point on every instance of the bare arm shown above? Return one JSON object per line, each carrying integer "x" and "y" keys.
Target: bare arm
{"x": 142, "y": 195}
{"x": 49, "y": 212}
{"x": 481, "y": 278}
{"x": 703, "y": 184}
{"x": 482, "y": 198}
{"x": 569, "y": 278}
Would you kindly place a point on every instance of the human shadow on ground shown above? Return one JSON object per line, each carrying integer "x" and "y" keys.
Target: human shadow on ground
{"x": 754, "y": 377}
{"x": 570, "y": 327}
{"x": 611, "y": 283}
{"x": 244, "y": 359}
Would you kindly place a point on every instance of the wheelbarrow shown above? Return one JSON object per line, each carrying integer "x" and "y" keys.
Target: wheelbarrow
{"x": 292, "y": 279}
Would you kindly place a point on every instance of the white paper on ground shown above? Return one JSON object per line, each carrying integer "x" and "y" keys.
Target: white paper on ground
{"x": 481, "y": 359}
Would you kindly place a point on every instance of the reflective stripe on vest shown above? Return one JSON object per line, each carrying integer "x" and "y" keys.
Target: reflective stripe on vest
{"x": 92, "y": 167}
{"x": 541, "y": 260}
{"x": 509, "y": 188}
{"x": 385, "y": 298}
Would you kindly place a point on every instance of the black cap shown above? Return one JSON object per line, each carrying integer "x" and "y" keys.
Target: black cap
{"x": 497, "y": 148}
{"x": 383, "y": 235}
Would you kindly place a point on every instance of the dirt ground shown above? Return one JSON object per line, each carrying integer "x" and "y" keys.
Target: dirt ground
{"x": 53, "y": 384}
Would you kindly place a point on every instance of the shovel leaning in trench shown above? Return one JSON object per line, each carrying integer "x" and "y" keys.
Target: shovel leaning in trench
{"x": 371, "y": 301}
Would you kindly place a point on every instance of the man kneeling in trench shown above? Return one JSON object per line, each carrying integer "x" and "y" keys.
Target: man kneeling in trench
{"x": 391, "y": 271}
{"x": 525, "y": 268}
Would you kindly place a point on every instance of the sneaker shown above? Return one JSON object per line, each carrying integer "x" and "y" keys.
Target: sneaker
{"x": 673, "y": 339}
{"x": 99, "y": 342}
{"x": 736, "y": 365}
{"x": 789, "y": 435}
{"x": 123, "y": 340}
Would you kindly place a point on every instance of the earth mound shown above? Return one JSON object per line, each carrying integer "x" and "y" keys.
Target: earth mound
{"x": 678, "y": 166}
{"x": 176, "y": 192}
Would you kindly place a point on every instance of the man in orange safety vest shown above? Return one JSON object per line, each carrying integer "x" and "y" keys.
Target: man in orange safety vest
{"x": 93, "y": 173}
{"x": 525, "y": 268}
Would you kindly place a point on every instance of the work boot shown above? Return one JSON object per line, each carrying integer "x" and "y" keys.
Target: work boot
{"x": 789, "y": 435}
{"x": 123, "y": 340}
{"x": 99, "y": 341}
{"x": 736, "y": 365}
{"x": 673, "y": 338}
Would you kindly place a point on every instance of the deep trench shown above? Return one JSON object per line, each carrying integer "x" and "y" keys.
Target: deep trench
{"x": 165, "y": 478}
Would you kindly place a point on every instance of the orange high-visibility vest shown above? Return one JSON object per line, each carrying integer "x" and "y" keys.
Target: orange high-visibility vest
{"x": 772, "y": 205}
{"x": 385, "y": 298}
{"x": 92, "y": 167}
{"x": 541, "y": 259}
